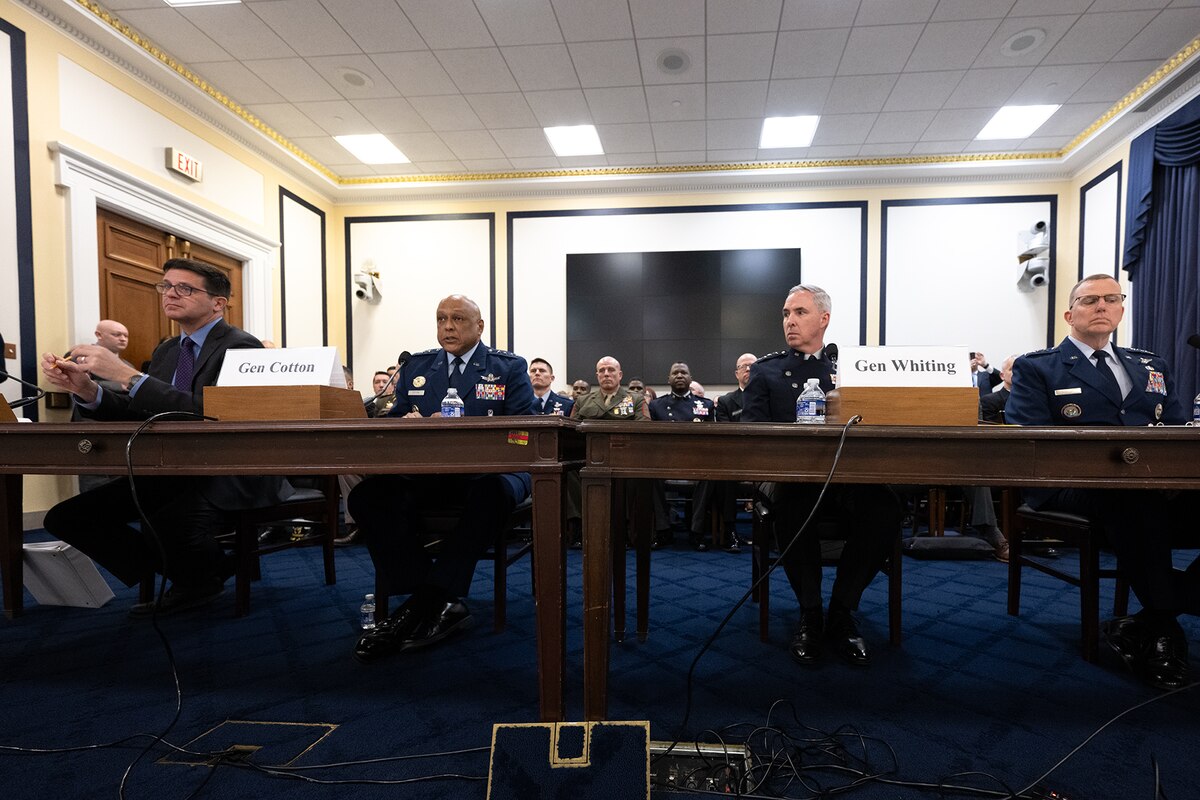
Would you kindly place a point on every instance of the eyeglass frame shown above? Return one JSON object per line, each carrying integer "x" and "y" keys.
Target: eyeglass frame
{"x": 1096, "y": 298}
{"x": 181, "y": 289}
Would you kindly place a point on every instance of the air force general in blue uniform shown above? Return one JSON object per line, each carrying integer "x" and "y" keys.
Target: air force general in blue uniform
{"x": 389, "y": 508}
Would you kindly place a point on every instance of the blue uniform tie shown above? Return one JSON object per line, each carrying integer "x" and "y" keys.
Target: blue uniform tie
{"x": 1108, "y": 376}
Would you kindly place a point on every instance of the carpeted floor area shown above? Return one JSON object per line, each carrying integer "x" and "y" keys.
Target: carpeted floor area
{"x": 971, "y": 690}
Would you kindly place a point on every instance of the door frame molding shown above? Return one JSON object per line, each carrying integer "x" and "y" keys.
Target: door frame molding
{"x": 89, "y": 183}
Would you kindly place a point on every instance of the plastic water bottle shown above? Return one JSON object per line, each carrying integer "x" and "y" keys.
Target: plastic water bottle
{"x": 1196, "y": 411}
{"x": 366, "y": 613}
{"x": 810, "y": 405}
{"x": 452, "y": 404}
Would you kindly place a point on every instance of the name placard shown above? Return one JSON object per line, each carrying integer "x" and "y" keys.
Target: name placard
{"x": 904, "y": 366}
{"x": 285, "y": 366}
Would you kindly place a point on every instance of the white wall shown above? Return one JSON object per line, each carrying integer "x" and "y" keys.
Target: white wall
{"x": 10, "y": 311}
{"x": 302, "y": 266}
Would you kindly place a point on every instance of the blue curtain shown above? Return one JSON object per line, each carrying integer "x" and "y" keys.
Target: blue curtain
{"x": 1162, "y": 242}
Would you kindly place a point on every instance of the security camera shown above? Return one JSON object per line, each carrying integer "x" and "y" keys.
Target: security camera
{"x": 364, "y": 287}
{"x": 1035, "y": 274}
{"x": 1033, "y": 242}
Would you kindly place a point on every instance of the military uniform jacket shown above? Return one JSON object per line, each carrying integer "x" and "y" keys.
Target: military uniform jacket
{"x": 555, "y": 404}
{"x": 626, "y": 405}
{"x": 688, "y": 408}
{"x": 1060, "y": 386}
{"x": 497, "y": 384}
{"x": 776, "y": 380}
{"x": 729, "y": 406}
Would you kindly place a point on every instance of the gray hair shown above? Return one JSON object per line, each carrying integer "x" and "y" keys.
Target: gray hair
{"x": 820, "y": 296}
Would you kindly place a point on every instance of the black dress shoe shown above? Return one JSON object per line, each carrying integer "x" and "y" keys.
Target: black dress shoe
{"x": 389, "y": 635}
{"x": 663, "y": 538}
{"x": 1124, "y": 637}
{"x": 806, "y": 641}
{"x": 446, "y": 620}
{"x": 1165, "y": 662}
{"x": 352, "y": 537}
{"x": 700, "y": 545}
{"x": 181, "y": 597}
{"x": 732, "y": 543}
{"x": 842, "y": 633}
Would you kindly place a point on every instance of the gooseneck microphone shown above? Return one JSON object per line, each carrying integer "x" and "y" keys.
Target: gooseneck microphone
{"x": 401, "y": 360}
{"x": 831, "y": 352}
{"x": 24, "y": 401}
{"x": 1193, "y": 340}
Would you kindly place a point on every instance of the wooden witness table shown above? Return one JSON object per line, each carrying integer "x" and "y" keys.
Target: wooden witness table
{"x": 544, "y": 446}
{"x": 1160, "y": 457}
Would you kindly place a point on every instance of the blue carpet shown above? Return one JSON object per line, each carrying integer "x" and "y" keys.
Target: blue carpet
{"x": 970, "y": 689}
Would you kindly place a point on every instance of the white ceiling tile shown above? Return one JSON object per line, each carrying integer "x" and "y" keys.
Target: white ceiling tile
{"x": 520, "y": 21}
{"x": 625, "y": 104}
{"x": 539, "y": 67}
{"x": 239, "y": 31}
{"x": 377, "y": 26}
{"x": 446, "y": 24}
{"x": 987, "y": 87}
{"x": 858, "y": 93}
{"x": 878, "y": 50}
{"x": 676, "y": 103}
{"x": 294, "y": 79}
{"x": 734, "y": 100}
{"x": 1045, "y": 142}
{"x": 809, "y": 54}
{"x": 649, "y": 50}
{"x": 1097, "y": 38}
{"x": 584, "y": 162}
{"x": 326, "y": 150}
{"x": 738, "y": 16}
{"x": 680, "y": 157}
{"x": 487, "y": 164}
{"x": 606, "y": 63}
{"x": 844, "y": 129}
{"x": 447, "y": 167}
{"x": 415, "y": 73}
{"x": 447, "y": 113}
{"x": 477, "y": 70}
{"x": 472, "y": 144}
{"x": 828, "y": 152}
{"x": 523, "y": 143}
{"x": 894, "y": 12}
{"x": 893, "y": 149}
{"x": 899, "y": 126}
{"x": 238, "y": 82}
{"x": 736, "y": 156}
{"x": 740, "y": 56}
{"x": 1165, "y": 36}
{"x": 813, "y": 14}
{"x": 286, "y": 119}
{"x": 422, "y": 147}
{"x": 560, "y": 107}
{"x": 364, "y": 170}
{"x": 959, "y": 123}
{"x": 174, "y": 33}
{"x": 993, "y": 54}
{"x": 951, "y": 45}
{"x": 923, "y": 90}
{"x": 970, "y": 9}
{"x": 794, "y": 97}
{"x": 631, "y": 159}
{"x": 733, "y": 133}
{"x": 939, "y": 148}
{"x": 503, "y": 110}
{"x": 661, "y": 18}
{"x": 1072, "y": 118}
{"x": 678, "y": 135}
{"x": 534, "y": 163}
{"x": 1052, "y": 84}
{"x": 1130, "y": 5}
{"x": 306, "y": 26}
{"x": 391, "y": 115}
{"x": 1032, "y": 8}
{"x": 337, "y": 117}
{"x": 626, "y": 138}
{"x": 1113, "y": 81}
{"x": 992, "y": 146}
{"x": 334, "y": 70}
{"x": 593, "y": 20}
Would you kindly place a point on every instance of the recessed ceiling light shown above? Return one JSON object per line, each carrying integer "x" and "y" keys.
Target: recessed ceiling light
{"x": 1022, "y": 42}
{"x": 182, "y": 3}
{"x": 1016, "y": 122}
{"x": 788, "y": 132}
{"x": 673, "y": 61}
{"x": 372, "y": 148}
{"x": 355, "y": 78}
{"x": 574, "y": 140}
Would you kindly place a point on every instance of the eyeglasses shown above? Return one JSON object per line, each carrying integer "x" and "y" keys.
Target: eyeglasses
{"x": 181, "y": 289}
{"x": 1092, "y": 299}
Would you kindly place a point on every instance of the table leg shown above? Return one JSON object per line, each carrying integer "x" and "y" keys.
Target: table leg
{"x": 11, "y": 540}
{"x": 550, "y": 580}
{"x": 597, "y": 587}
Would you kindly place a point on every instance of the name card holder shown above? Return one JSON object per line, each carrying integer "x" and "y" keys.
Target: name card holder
{"x": 905, "y": 405}
{"x": 280, "y": 403}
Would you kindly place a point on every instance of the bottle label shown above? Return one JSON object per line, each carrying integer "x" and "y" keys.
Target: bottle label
{"x": 451, "y": 410}
{"x": 810, "y": 410}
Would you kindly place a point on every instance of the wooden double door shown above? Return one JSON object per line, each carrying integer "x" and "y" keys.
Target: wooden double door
{"x": 131, "y": 259}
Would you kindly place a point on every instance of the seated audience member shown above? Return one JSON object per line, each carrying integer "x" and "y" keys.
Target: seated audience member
{"x": 379, "y": 405}
{"x": 649, "y": 393}
{"x": 579, "y": 388}
{"x": 186, "y": 512}
{"x": 636, "y": 385}
{"x": 545, "y": 401}
{"x": 696, "y": 388}
{"x": 991, "y": 404}
{"x": 681, "y": 405}
{"x": 723, "y": 494}
{"x": 983, "y": 376}
{"x": 388, "y": 508}
{"x": 868, "y": 516}
{"x": 1088, "y": 380}
{"x": 113, "y": 336}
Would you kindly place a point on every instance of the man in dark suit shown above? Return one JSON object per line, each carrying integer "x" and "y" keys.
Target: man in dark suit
{"x": 388, "y": 508}
{"x": 991, "y": 404}
{"x": 186, "y": 512}
{"x": 729, "y": 405}
{"x": 545, "y": 399}
{"x": 681, "y": 405}
{"x": 868, "y": 516}
{"x": 1087, "y": 380}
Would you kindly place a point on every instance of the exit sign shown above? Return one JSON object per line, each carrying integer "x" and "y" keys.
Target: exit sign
{"x": 181, "y": 162}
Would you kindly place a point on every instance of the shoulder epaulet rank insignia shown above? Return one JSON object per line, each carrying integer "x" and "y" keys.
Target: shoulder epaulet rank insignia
{"x": 1141, "y": 351}
{"x": 428, "y": 352}
{"x": 776, "y": 354}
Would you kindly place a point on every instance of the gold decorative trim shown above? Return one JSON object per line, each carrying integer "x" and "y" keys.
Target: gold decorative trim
{"x": 1169, "y": 67}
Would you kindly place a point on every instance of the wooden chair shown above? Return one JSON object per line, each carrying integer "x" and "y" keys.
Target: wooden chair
{"x": 1070, "y": 530}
